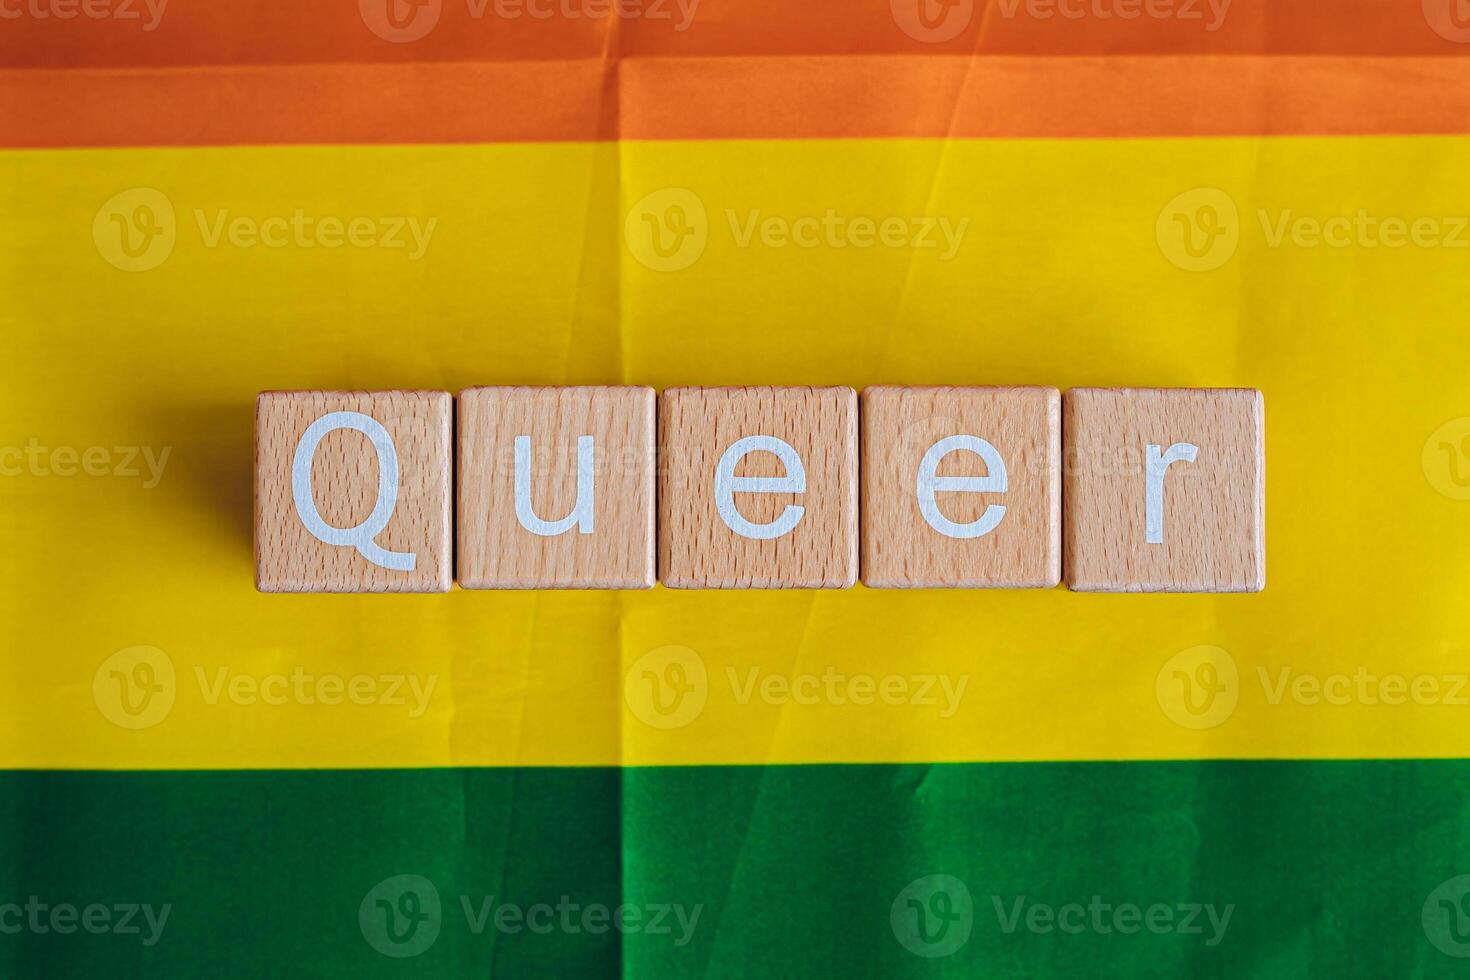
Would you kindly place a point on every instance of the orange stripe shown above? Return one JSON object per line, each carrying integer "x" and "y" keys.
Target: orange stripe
{"x": 1017, "y": 97}
{"x": 778, "y": 98}
{"x": 449, "y": 103}
{"x": 282, "y": 32}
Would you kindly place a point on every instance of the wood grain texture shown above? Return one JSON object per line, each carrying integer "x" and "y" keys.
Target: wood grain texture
{"x": 697, "y": 549}
{"x": 1213, "y": 508}
{"x": 900, "y": 549}
{"x": 344, "y": 478}
{"x": 495, "y": 550}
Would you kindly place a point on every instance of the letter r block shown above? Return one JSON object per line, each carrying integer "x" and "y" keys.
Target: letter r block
{"x": 1164, "y": 489}
{"x": 352, "y": 491}
{"x": 556, "y": 488}
{"x": 962, "y": 487}
{"x": 758, "y": 488}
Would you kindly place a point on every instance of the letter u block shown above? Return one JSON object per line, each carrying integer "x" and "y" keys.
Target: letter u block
{"x": 556, "y": 488}
{"x": 758, "y": 488}
{"x": 352, "y": 491}
{"x": 1164, "y": 489}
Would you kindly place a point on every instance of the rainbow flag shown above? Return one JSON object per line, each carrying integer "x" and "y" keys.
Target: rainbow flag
{"x": 201, "y": 200}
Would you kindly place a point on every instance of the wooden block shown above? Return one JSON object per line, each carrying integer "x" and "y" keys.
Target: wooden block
{"x": 1164, "y": 489}
{"x": 719, "y": 527}
{"x": 1001, "y": 528}
{"x": 352, "y": 491}
{"x": 556, "y": 488}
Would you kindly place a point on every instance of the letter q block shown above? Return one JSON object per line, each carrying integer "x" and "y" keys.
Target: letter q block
{"x": 352, "y": 491}
{"x": 758, "y": 488}
{"x": 556, "y": 488}
{"x": 1164, "y": 489}
{"x": 962, "y": 487}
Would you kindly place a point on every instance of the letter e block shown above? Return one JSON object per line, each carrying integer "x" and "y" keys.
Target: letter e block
{"x": 758, "y": 488}
{"x": 962, "y": 487}
{"x": 352, "y": 491}
{"x": 556, "y": 488}
{"x": 1164, "y": 489}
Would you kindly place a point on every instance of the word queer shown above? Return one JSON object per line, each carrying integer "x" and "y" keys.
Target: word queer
{"x": 1127, "y": 489}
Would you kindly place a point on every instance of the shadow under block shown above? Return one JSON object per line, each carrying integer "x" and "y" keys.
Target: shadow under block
{"x": 1164, "y": 489}
{"x": 961, "y": 487}
{"x": 556, "y": 488}
{"x": 352, "y": 491}
{"x": 758, "y": 488}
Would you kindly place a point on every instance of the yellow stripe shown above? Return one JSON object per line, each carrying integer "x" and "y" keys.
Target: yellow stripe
{"x": 1060, "y": 278}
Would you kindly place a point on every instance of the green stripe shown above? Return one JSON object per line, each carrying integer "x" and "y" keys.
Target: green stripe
{"x": 1326, "y": 867}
